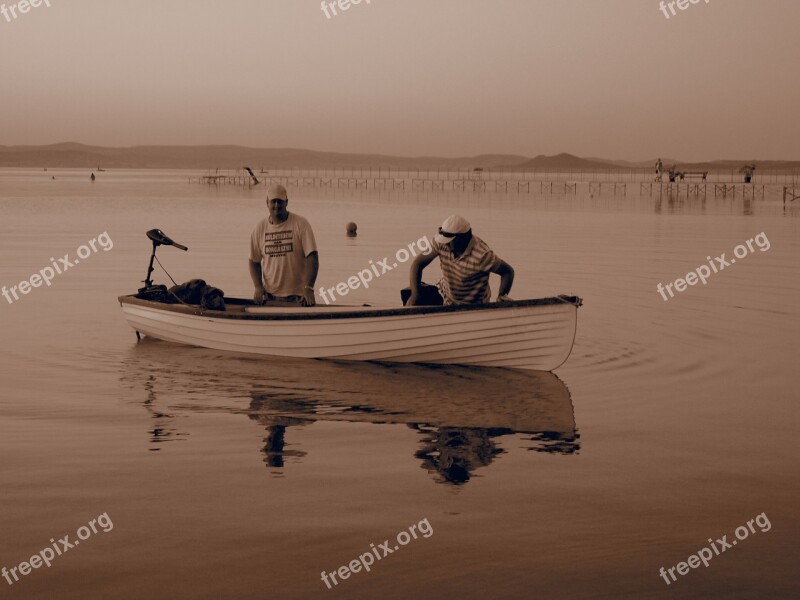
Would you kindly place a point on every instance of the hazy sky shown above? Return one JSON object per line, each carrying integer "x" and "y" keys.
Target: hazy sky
{"x": 611, "y": 78}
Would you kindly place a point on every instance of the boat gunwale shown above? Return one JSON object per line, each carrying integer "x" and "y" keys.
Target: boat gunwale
{"x": 356, "y": 313}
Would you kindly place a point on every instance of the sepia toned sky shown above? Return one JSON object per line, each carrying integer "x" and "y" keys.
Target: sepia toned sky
{"x": 610, "y": 78}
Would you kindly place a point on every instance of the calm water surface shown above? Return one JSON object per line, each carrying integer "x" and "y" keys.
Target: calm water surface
{"x": 227, "y": 477}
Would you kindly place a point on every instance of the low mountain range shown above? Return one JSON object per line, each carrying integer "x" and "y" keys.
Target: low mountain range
{"x": 76, "y": 155}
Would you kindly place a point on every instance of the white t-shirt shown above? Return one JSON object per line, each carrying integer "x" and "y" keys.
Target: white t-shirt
{"x": 282, "y": 250}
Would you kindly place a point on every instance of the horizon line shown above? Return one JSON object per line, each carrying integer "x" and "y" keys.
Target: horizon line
{"x": 400, "y": 156}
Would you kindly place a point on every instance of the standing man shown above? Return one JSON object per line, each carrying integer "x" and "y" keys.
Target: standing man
{"x": 659, "y": 165}
{"x": 283, "y": 254}
{"x": 466, "y": 262}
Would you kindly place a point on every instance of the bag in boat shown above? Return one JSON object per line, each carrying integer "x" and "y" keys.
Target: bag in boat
{"x": 197, "y": 291}
{"x": 428, "y": 295}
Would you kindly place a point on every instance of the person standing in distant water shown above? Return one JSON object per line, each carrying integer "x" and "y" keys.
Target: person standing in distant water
{"x": 659, "y": 165}
{"x": 92, "y": 177}
{"x": 466, "y": 262}
{"x": 283, "y": 254}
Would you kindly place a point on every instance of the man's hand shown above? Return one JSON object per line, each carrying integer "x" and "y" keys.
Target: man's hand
{"x": 504, "y": 298}
{"x": 413, "y": 299}
{"x": 260, "y": 296}
{"x": 308, "y": 297}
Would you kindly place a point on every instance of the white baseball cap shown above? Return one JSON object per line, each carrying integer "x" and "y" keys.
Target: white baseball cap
{"x": 276, "y": 190}
{"x": 451, "y": 227}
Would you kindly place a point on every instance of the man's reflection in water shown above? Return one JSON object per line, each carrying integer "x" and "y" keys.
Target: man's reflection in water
{"x": 274, "y": 449}
{"x": 453, "y": 453}
{"x": 273, "y": 445}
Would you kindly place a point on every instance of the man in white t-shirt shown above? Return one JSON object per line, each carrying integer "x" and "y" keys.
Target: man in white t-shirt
{"x": 283, "y": 254}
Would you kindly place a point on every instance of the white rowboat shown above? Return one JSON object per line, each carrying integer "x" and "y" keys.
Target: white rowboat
{"x": 523, "y": 334}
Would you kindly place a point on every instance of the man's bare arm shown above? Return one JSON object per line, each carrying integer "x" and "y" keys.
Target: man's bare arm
{"x": 258, "y": 284}
{"x": 255, "y": 274}
{"x": 311, "y": 270}
{"x": 506, "y": 277}
{"x": 419, "y": 264}
{"x": 415, "y": 278}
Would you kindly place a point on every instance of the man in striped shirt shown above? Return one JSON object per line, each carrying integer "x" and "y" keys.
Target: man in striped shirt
{"x": 466, "y": 262}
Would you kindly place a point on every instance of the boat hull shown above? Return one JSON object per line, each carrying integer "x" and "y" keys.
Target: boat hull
{"x": 526, "y": 334}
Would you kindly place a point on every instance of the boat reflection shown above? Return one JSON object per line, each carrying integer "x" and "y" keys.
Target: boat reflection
{"x": 459, "y": 413}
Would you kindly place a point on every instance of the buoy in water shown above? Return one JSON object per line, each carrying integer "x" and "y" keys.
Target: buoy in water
{"x": 352, "y": 229}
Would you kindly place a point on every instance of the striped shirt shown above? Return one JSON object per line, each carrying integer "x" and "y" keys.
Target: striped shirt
{"x": 466, "y": 278}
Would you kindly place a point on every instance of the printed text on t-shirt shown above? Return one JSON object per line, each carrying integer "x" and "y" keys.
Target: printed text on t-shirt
{"x": 275, "y": 243}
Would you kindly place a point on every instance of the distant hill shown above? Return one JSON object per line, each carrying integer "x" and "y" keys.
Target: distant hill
{"x": 224, "y": 157}
{"x": 641, "y": 164}
{"x": 70, "y": 154}
{"x": 559, "y": 161}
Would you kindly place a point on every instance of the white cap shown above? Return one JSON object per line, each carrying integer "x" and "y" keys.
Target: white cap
{"x": 276, "y": 190}
{"x": 452, "y": 226}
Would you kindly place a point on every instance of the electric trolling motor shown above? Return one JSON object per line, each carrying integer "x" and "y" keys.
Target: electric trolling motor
{"x": 150, "y": 291}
